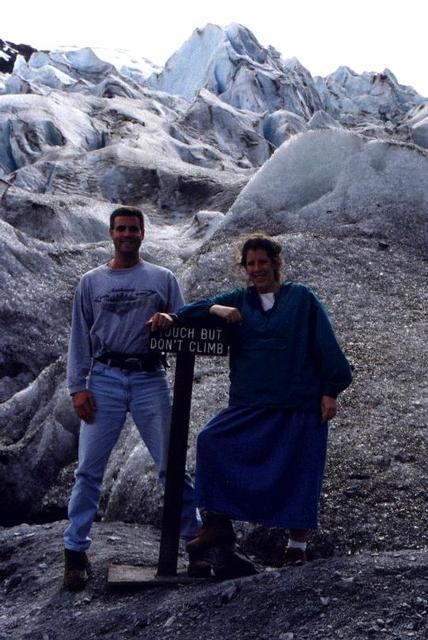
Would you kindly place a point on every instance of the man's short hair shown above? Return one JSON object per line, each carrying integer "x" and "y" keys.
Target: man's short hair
{"x": 125, "y": 210}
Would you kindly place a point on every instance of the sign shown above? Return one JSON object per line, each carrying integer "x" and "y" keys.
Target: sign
{"x": 187, "y": 342}
{"x": 201, "y": 341}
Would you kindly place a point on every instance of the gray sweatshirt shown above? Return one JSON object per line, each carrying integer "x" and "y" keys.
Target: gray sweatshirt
{"x": 110, "y": 312}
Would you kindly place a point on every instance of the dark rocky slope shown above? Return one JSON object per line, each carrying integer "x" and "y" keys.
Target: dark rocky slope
{"x": 364, "y": 596}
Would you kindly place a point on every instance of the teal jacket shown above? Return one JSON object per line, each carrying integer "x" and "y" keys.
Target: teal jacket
{"x": 287, "y": 357}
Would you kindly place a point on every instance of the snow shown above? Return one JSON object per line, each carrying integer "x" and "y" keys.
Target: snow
{"x": 346, "y": 95}
{"x": 222, "y": 104}
{"x": 97, "y": 71}
{"x": 236, "y": 132}
{"x": 125, "y": 61}
{"x": 281, "y": 125}
{"x": 42, "y": 74}
{"x": 245, "y": 44}
{"x": 189, "y": 68}
{"x": 417, "y": 122}
{"x": 82, "y": 60}
{"x": 32, "y": 125}
{"x": 323, "y": 120}
{"x": 232, "y": 64}
{"x": 38, "y": 59}
{"x": 333, "y": 179}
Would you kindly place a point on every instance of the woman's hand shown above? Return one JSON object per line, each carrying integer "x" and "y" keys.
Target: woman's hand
{"x": 160, "y": 321}
{"x": 328, "y": 408}
{"x": 230, "y": 314}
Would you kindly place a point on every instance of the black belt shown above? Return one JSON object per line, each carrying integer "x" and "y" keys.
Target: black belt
{"x": 131, "y": 361}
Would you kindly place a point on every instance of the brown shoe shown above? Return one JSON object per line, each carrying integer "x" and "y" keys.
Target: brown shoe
{"x": 217, "y": 530}
{"x": 76, "y": 569}
{"x": 295, "y": 557}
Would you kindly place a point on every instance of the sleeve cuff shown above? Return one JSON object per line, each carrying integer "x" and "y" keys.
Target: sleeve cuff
{"x": 73, "y": 390}
{"x": 329, "y": 390}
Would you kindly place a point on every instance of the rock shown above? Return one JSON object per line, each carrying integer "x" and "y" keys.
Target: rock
{"x": 10, "y": 51}
{"x": 131, "y": 488}
{"x": 383, "y": 246}
{"x": 39, "y": 437}
{"x": 228, "y": 593}
{"x": 271, "y": 608}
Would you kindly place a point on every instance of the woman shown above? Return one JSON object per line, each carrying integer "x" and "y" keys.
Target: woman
{"x": 262, "y": 458}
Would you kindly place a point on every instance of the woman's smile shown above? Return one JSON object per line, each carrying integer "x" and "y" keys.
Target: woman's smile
{"x": 260, "y": 270}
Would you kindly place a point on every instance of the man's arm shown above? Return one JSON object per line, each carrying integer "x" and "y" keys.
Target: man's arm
{"x": 162, "y": 319}
{"x": 175, "y": 295}
{"x": 80, "y": 357}
{"x": 84, "y": 405}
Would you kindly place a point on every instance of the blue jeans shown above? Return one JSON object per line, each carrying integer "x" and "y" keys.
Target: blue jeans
{"x": 116, "y": 391}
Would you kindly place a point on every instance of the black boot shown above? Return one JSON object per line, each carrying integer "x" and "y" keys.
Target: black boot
{"x": 199, "y": 565}
{"x": 76, "y": 569}
{"x": 230, "y": 562}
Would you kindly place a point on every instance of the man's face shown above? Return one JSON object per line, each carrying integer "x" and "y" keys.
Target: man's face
{"x": 127, "y": 235}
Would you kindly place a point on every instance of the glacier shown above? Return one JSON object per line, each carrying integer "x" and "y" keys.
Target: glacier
{"x": 227, "y": 138}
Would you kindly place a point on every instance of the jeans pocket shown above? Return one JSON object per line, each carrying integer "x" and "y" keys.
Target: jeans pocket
{"x": 98, "y": 368}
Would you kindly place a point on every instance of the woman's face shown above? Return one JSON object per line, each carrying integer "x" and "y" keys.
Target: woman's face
{"x": 260, "y": 271}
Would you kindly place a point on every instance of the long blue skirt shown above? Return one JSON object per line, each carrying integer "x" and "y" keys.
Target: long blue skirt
{"x": 262, "y": 465}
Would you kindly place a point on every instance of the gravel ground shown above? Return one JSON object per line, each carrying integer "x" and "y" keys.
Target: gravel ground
{"x": 362, "y": 596}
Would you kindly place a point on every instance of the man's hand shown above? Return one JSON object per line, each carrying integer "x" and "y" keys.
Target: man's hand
{"x": 328, "y": 408}
{"x": 230, "y": 314}
{"x": 84, "y": 405}
{"x": 160, "y": 321}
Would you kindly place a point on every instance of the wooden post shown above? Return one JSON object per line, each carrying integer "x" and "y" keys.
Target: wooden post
{"x": 177, "y": 453}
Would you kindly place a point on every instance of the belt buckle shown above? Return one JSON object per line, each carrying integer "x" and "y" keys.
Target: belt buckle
{"x": 133, "y": 361}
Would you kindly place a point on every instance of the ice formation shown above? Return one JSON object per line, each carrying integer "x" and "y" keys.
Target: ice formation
{"x": 232, "y": 64}
{"x": 339, "y": 182}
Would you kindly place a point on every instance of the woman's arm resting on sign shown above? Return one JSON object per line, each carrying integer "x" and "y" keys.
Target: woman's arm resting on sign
{"x": 230, "y": 314}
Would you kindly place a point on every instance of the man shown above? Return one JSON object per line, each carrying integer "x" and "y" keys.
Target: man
{"x": 111, "y": 371}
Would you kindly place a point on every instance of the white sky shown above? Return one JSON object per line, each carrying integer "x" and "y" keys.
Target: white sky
{"x": 366, "y": 35}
